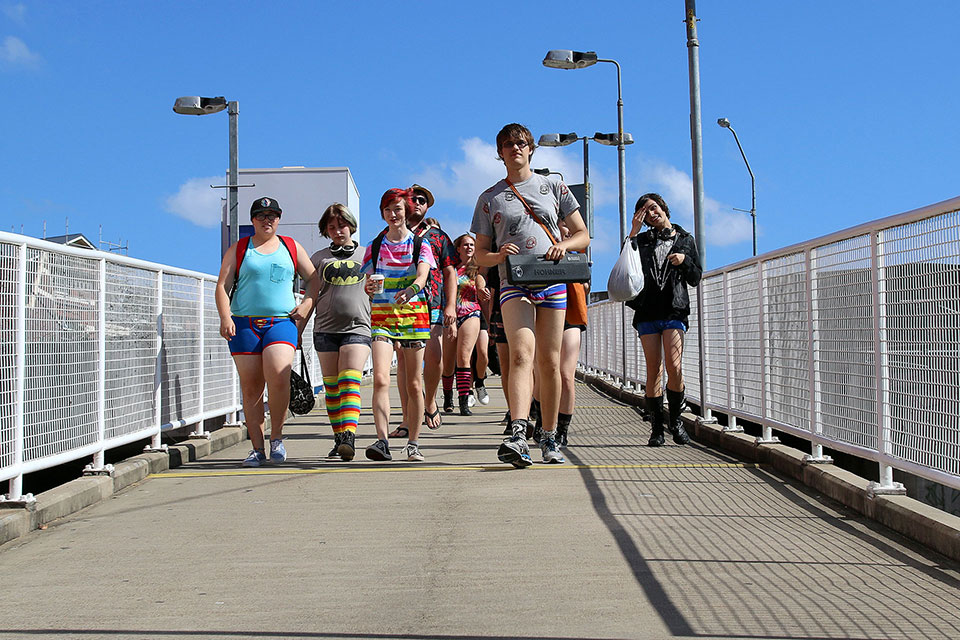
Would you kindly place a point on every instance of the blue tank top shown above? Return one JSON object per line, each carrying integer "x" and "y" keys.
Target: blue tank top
{"x": 265, "y": 285}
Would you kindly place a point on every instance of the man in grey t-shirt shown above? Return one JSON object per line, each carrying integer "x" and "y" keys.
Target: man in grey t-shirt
{"x": 532, "y": 315}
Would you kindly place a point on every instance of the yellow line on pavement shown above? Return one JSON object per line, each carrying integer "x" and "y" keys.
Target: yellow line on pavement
{"x": 499, "y": 467}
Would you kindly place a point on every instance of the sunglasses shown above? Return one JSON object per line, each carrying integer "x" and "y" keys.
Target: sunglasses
{"x": 420, "y": 199}
{"x": 263, "y": 216}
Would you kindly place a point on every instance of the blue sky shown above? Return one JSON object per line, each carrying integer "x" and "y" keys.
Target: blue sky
{"x": 846, "y": 109}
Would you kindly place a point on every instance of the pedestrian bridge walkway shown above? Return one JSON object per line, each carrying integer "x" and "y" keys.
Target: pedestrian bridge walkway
{"x": 624, "y": 541}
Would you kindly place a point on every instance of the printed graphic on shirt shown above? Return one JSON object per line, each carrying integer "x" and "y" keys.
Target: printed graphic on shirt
{"x": 342, "y": 272}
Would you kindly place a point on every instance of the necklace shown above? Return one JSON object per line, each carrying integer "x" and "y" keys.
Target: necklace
{"x": 660, "y": 263}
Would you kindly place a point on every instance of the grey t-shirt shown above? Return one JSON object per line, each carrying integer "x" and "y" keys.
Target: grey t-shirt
{"x": 342, "y": 306}
{"x": 500, "y": 214}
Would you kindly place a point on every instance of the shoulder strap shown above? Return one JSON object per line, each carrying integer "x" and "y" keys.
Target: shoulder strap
{"x": 375, "y": 250}
{"x": 241, "y": 252}
{"x": 530, "y": 211}
{"x": 291, "y": 246}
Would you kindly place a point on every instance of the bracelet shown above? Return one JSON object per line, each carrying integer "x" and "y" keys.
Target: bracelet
{"x": 416, "y": 288}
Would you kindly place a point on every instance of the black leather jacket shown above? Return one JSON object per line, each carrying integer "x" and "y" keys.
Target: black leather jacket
{"x": 672, "y": 302}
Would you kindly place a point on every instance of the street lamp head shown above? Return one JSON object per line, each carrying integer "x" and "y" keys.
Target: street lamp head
{"x": 566, "y": 59}
{"x": 198, "y": 106}
{"x": 610, "y": 139}
{"x": 542, "y": 172}
{"x": 557, "y": 139}
{"x": 723, "y": 122}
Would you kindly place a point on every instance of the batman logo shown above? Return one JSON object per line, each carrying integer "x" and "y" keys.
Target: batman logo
{"x": 342, "y": 272}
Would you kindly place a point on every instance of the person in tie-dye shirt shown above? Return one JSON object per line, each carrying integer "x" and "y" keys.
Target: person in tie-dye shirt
{"x": 400, "y": 316}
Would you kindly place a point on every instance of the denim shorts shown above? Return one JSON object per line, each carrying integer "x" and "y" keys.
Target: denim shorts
{"x": 403, "y": 344}
{"x": 462, "y": 319}
{"x": 253, "y": 334}
{"x": 652, "y": 327}
{"x": 327, "y": 342}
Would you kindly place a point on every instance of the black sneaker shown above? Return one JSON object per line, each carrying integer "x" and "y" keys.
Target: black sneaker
{"x": 347, "y": 448}
{"x": 335, "y": 452}
{"x": 379, "y": 451}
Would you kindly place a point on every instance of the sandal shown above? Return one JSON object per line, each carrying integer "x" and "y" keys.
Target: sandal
{"x": 399, "y": 432}
{"x": 429, "y": 417}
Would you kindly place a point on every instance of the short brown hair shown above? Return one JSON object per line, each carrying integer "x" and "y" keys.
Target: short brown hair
{"x": 337, "y": 210}
{"x": 514, "y": 132}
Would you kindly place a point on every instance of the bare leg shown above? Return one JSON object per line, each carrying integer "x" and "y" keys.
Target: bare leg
{"x": 413, "y": 410}
{"x": 382, "y": 359}
{"x": 569, "y": 354}
{"x": 653, "y": 357}
{"x": 250, "y": 370}
{"x": 549, "y": 331}
{"x": 432, "y": 369}
{"x": 277, "y": 360}
{"x": 519, "y": 321}
{"x": 483, "y": 343}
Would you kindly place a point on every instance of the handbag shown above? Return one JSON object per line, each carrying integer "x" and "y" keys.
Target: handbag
{"x": 626, "y": 277}
{"x": 534, "y": 269}
{"x": 301, "y": 390}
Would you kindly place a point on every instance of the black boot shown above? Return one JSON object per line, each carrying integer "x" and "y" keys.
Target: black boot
{"x": 563, "y": 426}
{"x": 448, "y": 401}
{"x": 655, "y": 409}
{"x": 465, "y": 406}
{"x": 675, "y": 400}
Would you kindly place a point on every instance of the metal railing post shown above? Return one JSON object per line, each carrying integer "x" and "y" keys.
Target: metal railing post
{"x": 767, "y": 437}
{"x": 878, "y": 271}
{"x": 156, "y": 443}
{"x": 201, "y": 298}
{"x": 98, "y": 466}
{"x": 816, "y": 456}
{"x": 20, "y": 364}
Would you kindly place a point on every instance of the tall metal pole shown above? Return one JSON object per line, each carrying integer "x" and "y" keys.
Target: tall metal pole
{"x": 233, "y": 109}
{"x": 587, "y": 196}
{"x": 696, "y": 140}
{"x": 622, "y": 177}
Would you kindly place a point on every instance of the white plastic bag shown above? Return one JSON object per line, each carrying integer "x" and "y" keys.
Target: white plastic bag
{"x": 626, "y": 277}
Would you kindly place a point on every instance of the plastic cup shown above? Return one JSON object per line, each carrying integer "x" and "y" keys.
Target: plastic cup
{"x": 377, "y": 280}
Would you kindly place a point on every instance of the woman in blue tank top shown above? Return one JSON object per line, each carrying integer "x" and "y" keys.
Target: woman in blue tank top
{"x": 262, "y": 321}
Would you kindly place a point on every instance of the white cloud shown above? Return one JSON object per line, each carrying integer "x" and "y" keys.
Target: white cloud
{"x": 16, "y": 12}
{"x": 15, "y": 53}
{"x": 197, "y": 202}
{"x": 724, "y": 226}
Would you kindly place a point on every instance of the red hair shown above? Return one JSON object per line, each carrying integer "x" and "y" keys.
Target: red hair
{"x": 391, "y": 195}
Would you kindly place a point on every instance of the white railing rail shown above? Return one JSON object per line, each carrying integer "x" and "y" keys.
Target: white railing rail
{"x": 99, "y": 350}
{"x": 851, "y": 341}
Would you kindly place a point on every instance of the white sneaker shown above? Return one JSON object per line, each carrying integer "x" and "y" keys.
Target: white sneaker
{"x": 471, "y": 401}
{"x": 412, "y": 452}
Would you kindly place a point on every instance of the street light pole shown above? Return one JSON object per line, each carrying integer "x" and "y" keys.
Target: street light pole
{"x": 233, "y": 110}
{"x": 723, "y": 122}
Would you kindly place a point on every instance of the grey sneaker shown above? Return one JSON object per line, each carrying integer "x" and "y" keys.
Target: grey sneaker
{"x": 255, "y": 459}
{"x": 551, "y": 453}
{"x": 379, "y": 451}
{"x": 412, "y": 452}
{"x": 482, "y": 396}
{"x": 514, "y": 450}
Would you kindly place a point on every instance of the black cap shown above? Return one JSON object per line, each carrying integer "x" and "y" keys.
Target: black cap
{"x": 264, "y": 204}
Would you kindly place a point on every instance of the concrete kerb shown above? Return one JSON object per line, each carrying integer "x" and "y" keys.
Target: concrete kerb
{"x": 907, "y": 516}
{"x": 83, "y": 492}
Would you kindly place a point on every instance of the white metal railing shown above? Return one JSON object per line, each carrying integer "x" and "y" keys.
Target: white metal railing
{"x": 851, "y": 341}
{"x": 99, "y": 350}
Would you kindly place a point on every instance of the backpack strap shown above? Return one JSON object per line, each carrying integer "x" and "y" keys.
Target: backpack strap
{"x": 241, "y": 251}
{"x": 375, "y": 249}
{"x": 291, "y": 246}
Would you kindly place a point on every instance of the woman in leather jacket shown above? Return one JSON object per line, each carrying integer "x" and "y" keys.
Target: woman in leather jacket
{"x": 671, "y": 263}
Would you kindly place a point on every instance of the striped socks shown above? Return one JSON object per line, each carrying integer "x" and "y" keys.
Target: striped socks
{"x": 349, "y": 384}
{"x": 464, "y": 380}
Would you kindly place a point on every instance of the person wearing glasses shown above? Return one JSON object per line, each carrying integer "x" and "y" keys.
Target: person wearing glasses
{"x": 262, "y": 321}
{"x": 533, "y": 315}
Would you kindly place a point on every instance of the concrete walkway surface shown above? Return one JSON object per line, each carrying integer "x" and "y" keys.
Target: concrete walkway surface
{"x": 623, "y": 541}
